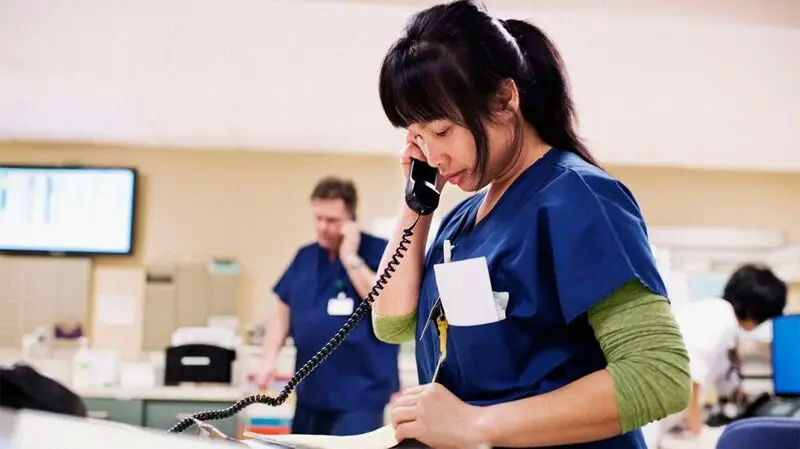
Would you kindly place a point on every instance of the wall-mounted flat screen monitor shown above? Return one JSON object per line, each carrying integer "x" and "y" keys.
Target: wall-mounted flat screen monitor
{"x": 67, "y": 210}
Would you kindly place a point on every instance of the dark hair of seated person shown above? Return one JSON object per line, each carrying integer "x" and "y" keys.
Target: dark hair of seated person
{"x": 756, "y": 293}
{"x": 22, "y": 387}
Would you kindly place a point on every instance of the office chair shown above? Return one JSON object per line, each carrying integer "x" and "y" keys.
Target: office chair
{"x": 772, "y": 433}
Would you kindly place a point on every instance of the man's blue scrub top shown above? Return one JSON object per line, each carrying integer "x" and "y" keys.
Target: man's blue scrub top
{"x": 362, "y": 373}
{"x": 562, "y": 238}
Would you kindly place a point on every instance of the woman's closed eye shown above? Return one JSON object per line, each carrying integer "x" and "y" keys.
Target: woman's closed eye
{"x": 444, "y": 132}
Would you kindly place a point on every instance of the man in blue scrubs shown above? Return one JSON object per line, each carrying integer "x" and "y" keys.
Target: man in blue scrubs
{"x": 322, "y": 286}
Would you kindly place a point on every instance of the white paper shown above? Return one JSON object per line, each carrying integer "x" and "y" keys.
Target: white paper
{"x": 466, "y": 292}
{"x": 116, "y": 309}
{"x": 137, "y": 375}
{"x": 199, "y": 335}
{"x": 230, "y": 322}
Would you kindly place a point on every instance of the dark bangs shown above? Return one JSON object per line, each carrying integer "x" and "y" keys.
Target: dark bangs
{"x": 421, "y": 83}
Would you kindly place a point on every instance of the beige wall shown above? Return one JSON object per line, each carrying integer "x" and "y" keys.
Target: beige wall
{"x": 201, "y": 204}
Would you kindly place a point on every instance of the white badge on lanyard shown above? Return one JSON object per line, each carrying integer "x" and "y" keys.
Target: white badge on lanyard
{"x": 341, "y": 305}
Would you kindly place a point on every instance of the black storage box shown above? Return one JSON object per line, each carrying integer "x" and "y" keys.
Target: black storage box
{"x": 198, "y": 363}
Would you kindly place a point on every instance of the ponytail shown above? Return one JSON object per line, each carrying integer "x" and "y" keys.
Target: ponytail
{"x": 451, "y": 63}
{"x": 545, "y": 99}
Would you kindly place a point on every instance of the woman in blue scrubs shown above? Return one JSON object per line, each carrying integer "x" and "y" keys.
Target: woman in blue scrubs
{"x": 539, "y": 317}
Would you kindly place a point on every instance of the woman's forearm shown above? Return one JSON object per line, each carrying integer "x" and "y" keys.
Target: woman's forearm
{"x": 400, "y": 295}
{"x": 582, "y": 411}
{"x": 646, "y": 379}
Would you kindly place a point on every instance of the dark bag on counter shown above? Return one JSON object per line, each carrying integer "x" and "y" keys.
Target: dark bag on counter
{"x": 22, "y": 387}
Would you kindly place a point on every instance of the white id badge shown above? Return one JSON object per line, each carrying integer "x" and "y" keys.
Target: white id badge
{"x": 341, "y": 305}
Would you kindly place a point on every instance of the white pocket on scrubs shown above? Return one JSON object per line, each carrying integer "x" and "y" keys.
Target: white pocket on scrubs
{"x": 466, "y": 292}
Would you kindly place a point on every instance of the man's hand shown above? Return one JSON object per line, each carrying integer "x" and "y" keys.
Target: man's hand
{"x": 351, "y": 239}
{"x": 739, "y": 397}
{"x": 693, "y": 415}
{"x": 265, "y": 374}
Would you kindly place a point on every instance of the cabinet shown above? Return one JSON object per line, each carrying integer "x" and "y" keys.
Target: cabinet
{"x": 117, "y": 410}
{"x": 156, "y": 414}
{"x": 165, "y": 414}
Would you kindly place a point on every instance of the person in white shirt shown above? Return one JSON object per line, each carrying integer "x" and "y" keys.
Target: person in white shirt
{"x": 752, "y": 295}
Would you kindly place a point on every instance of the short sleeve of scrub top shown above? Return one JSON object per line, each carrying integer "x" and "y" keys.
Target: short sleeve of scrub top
{"x": 284, "y": 287}
{"x": 563, "y": 237}
{"x": 597, "y": 241}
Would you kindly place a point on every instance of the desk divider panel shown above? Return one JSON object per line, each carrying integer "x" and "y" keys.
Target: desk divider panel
{"x": 160, "y": 308}
{"x": 185, "y": 295}
{"x": 42, "y": 291}
{"x": 118, "y": 309}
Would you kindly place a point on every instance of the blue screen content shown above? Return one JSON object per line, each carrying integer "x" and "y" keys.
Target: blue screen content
{"x": 786, "y": 355}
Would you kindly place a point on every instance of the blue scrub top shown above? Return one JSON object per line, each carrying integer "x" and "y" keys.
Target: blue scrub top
{"x": 561, "y": 239}
{"x": 362, "y": 373}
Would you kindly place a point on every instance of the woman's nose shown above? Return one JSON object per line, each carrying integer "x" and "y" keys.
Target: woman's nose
{"x": 436, "y": 156}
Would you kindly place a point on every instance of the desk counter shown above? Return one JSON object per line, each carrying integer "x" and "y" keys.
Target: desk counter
{"x": 162, "y": 407}
{"x": 211, "y": 393}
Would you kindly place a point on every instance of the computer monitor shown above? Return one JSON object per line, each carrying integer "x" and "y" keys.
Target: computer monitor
{"x": 67, "y": 210}
{"x": 786, "y": 355}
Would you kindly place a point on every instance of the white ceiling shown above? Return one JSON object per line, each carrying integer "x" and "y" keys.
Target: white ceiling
{"x": 703, "y": 83}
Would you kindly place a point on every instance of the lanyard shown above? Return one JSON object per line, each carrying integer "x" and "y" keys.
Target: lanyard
{"x": 441, "y": 324}
{"x": 339, "y": 285}
{"x": 437, "y": 311}
{"x": 441, "y": 319}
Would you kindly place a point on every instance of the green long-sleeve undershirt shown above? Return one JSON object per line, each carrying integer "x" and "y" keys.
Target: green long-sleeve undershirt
{"x": 641, "y": 341}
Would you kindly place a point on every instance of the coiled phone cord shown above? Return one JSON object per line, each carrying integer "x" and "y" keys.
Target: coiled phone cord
{"x": 335, "y": 341}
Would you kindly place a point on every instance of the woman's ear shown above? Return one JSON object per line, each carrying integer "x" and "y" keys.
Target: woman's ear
{"x": 513, "y": 101}
{"x": 507, "y": 98}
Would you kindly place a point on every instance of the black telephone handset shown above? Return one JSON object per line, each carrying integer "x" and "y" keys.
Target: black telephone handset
{"x": 422, "y": 196}
{"x": 421, "y": 192}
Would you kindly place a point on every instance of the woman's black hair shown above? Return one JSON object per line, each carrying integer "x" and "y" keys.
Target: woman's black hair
{"x": 451, "y": 62}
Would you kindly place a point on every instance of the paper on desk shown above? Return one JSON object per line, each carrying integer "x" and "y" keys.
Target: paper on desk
{"x": 382, "y": 438}
{"x": 116, "y": 309}
{"x": 466, "y": 292}
{"x": 206, "y": 431}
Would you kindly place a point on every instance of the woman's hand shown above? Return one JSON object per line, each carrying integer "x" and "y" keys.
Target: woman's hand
{"x": 413, "y": 150}
{"x": 436, "y": 417}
